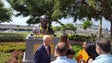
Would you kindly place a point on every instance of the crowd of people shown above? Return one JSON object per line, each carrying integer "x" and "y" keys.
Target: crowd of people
{"x": 97, "y": 52}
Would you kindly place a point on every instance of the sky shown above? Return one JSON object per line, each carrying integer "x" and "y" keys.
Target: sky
{"x": 22, "y": 20}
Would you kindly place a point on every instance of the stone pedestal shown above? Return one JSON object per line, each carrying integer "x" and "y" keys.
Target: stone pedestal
{"x": 31, "y": 46}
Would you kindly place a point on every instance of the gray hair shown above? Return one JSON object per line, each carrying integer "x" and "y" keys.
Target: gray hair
{"x": 104, "y": 44}
{"x": 45, "y": 37}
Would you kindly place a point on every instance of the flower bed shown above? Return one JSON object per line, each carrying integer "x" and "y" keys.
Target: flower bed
{"x": 11, "y": 52}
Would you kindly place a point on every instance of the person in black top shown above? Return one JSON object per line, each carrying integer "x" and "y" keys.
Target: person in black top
{"x": 91, "y": 51}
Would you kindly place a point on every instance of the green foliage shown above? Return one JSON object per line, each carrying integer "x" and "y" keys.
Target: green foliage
{"x": 92, "y": 3}
{"x": 78, "y": 37}
{"x": 20, "y": 57}
{"x": 69, "y": 26}
{"x": 76, "y": 48}
{"x": 9, "y": 47}
{"x": 57, "y": 13}
{"x": 32, "y": 8}
{"x": 82, "y": 37}
{"x": 93, "y": 9}
{"x": 56, "y": 28}
{"x": 4, "y": 57}
{"x": 55, "y": 9}
{"x": 8, "y": 37}
{"x": 86, "y": 24}
{"x": 5, "y": 13}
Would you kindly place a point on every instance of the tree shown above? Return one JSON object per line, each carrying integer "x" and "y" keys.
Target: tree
{"x": 100, "y": 29}
{"x": 104, "y": 7}
{"x": 93, "y": 9}
{"x": 57, "y": 28}
{"x": 81, "y": 10}
{"x": 54, "y": 9}
{"x": 69, "y": 26}
{"x": 86, "y": 24}
{"x": 5, "y": 13}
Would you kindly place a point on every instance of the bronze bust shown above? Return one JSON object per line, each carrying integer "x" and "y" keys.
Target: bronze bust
{"x": 44, "y": 27}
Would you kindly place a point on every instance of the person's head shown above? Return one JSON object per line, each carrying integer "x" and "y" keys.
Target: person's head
{"x": 64, "y": 38}
{"x": 61, "y": 49}
{"x": 47, "y": 39}
{"x": 84, "y": 45}
{"x": 70, "y": 53}
{"x": 103, "y": 46}
{"x": 90, "y": 49}
{"x": 44, "y": 21}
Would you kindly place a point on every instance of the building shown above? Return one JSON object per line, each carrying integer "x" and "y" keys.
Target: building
{"x": 4, "y": 27}
{"x": 91, "y": 30}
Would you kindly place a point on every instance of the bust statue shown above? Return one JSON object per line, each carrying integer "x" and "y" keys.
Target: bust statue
{"x": 44, "y": 27}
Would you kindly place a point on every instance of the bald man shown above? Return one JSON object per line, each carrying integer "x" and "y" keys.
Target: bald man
{"x": 61, "y": 49}
{"x": 43, "y": 53}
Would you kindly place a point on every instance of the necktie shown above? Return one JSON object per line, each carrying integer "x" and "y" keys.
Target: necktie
{"x": 47, "y": 51}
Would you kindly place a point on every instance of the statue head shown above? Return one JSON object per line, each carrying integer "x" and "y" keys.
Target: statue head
{"x": 44, "y": 27}
{"x": 44, "y": 21}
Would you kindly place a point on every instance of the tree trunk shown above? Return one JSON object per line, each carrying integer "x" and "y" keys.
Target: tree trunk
{"x": 111, "y": 28}
{"x": 100, "y": 28}
{"x": 17, "y": 28}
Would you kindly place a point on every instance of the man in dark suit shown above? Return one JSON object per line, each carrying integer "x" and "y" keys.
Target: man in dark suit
{"x": 43, "y": 53}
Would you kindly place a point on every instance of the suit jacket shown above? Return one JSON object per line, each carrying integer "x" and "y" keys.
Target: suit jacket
{"x": 41, "y": 55}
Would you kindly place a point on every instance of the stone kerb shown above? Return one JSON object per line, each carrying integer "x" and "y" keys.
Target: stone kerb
{"x": 31, "y": 46}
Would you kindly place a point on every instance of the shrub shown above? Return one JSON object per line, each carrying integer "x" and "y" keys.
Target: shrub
{"x": 81, "y": 37}
{"x": 78, "y": 37}
{"x": 12, "y": 37}
{"x": 9, "y": 47}
{"x": 4, "y": 57}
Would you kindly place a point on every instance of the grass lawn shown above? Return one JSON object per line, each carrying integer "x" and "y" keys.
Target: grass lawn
{"x": 76, "y": 48}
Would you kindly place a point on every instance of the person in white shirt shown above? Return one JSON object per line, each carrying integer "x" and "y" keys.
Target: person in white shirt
{"x": 61, "y": 49}
{"x": 103, "y": 48}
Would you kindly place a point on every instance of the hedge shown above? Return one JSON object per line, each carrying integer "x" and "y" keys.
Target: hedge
{"x": 81, "y": 37}
{"x": 12, "y": 37}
